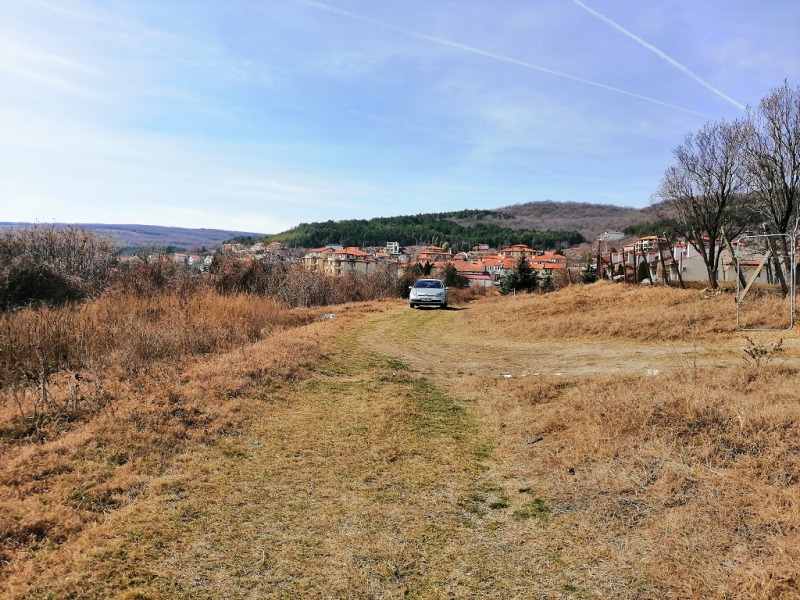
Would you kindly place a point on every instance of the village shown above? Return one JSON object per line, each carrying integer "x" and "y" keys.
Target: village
{"x": 614, "y": 256}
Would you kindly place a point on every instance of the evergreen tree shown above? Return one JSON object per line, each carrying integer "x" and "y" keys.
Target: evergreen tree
{"x": 453, "y": 278}
{"x": 547, "y": 285}
{"x": 427, "y": 268}
{"x": 589, "y": 273}
{"x": 522, "y": 279}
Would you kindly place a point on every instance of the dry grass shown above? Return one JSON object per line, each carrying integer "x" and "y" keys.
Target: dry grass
{"x": 414, "y": 453}
{"x": 609, "y": 311}
{"x": 128, "y": 384}
{"x": 661, "y": 487}
{"x": 460, "y": 296}
{"x": 677, "y": 481}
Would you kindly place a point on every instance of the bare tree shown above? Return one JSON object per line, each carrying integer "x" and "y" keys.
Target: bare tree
{"x": 773, "y": 155}
{"x": 773, "y": 159}
{"x": 704, "y": 191}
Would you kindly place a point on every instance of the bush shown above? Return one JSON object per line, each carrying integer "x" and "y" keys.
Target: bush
{"x": 235, "y": 276}
{"x": 37, "y": 284}
{"x": 453, "y": 278}
{"x": 52, "y": 265}
{"x": 468, "y": 294}
{"x": 297, "y": 286}
{"x": 149, "y": 279}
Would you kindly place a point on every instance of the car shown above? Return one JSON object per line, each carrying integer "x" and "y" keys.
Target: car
{"x": 428, "y": 292}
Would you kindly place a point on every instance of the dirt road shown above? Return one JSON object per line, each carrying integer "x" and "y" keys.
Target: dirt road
{"x": 450, "y": 341}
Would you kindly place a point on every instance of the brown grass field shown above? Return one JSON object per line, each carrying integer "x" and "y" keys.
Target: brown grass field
{"x": 602, "y": 441}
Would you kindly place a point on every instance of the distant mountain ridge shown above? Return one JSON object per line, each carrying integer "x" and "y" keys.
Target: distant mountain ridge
{"x": 153, "y": 236}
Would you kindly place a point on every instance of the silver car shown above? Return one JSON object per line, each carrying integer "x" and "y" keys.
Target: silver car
{"x": 428, "y": 292}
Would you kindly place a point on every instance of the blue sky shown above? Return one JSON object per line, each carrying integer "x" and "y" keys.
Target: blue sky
{"x": 258, "y": 115}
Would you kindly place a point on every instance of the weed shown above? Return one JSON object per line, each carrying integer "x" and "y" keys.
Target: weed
{"x": 759, "y": 353}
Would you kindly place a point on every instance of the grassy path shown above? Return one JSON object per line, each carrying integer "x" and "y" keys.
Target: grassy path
{"x": 366, "y": 480}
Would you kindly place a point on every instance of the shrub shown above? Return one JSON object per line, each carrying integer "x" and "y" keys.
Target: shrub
{"x": 37, "y": 284}
{"x": 453, "y": 278}
{"x": 147, "y": 279}
{"x": 46, "y": 264}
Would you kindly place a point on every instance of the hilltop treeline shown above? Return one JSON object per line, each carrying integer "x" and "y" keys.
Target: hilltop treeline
{"x": 422, "y": 229}
{"x": 655, "y": 227}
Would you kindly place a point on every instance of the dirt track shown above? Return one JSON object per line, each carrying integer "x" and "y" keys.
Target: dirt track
{"x": 447, "y": 341}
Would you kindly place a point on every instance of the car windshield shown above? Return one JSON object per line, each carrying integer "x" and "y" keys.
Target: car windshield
{"x": 428, "y": 283}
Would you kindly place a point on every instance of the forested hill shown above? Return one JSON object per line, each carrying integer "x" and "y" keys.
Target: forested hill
{"x": 589, "y": 219}
{"x": 486, "y": 226}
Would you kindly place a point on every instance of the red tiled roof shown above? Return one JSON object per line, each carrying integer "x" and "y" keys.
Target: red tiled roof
{"x": 463, "y": 265}
{"x": 351, "y": 250}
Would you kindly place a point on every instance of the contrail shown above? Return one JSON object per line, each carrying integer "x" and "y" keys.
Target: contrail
{"x": 486, "y": 53}
{"x": 661, "y": 54}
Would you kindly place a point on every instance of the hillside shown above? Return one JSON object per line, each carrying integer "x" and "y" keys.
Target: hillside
{"x": 482, "y": 226}
{"x": 543, "y": 225}
{"x": 589, "y": 219}
{"x": 154, "y": 236}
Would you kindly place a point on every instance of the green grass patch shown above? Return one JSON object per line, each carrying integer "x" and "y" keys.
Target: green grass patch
{"x": 434, "y": 412}
{"x": 535, "y": 509}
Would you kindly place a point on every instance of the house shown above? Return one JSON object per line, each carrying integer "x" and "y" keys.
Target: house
{"x": 342, "y": 260}
{"x": 314, "y": 260}
{"x": 433, "y": 254}
{"x": 516, "y": 251}
{"x": 756, "y": 269}
{"x": 392, "y": 248}
{"x": 545, "y": 268}
{"x": 235, "y": 248}
{"x": 464, "y": 267}
{"x": 552, "y": 258}
{"x": 482, "y": 280}
{"x": 493, "y": 266}
{"x": 611, "y": 236}
{"x": 689, "y": 262}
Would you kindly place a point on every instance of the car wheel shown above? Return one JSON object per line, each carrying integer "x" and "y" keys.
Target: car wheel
{"x": 444, "y": 305}
{"x": 412, "y": 305}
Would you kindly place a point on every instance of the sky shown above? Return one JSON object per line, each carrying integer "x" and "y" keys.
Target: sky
{"x": 257, "y": 115}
